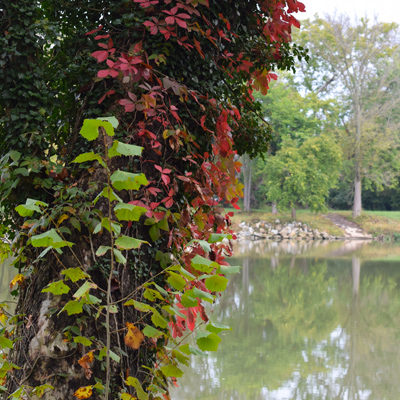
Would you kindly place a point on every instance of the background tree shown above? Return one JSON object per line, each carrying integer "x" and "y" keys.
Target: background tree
{"x": 126, "y": 203}
{"x": 303, "y": 175}
{"x": 359, "y": 62}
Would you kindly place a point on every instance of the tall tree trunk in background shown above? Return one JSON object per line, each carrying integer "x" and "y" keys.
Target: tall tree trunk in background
{"x": 274, "y": 209}
{"x": 246, "y": 161}
{"x": 293, "y": 213}
{"x": 357, "y": 167}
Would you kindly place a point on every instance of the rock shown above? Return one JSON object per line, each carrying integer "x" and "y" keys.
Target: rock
{"x": 274, "y": 231}
{"x": 277, "y": 221}
{"x": 245, "y": 228}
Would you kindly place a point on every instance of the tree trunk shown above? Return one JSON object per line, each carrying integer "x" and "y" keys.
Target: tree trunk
{"x": 357, "y": 194}
{"x": 357, "y": 167}
{"x": 293, "y": 213}
{"x": 247, "y": 182}
{"x": 274, "y": 208}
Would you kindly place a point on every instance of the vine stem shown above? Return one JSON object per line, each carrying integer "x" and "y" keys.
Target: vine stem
{"x": 109, "y": 299}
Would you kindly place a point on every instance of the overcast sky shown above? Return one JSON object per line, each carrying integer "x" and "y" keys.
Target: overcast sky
{"x": 386, "y": 10}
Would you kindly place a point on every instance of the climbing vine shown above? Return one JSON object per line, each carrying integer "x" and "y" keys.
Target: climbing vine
{"x": 120, "y": 237}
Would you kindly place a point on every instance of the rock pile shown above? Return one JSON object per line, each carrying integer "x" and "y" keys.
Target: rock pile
{"x": 259, "y": 229}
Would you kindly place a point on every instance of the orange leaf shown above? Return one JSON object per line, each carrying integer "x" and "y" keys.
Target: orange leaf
{"x": 134, "y": 337}
{"x": 19, "y": 278}
{"x": 84, "y": 392}
{"x": 86, "y": 360}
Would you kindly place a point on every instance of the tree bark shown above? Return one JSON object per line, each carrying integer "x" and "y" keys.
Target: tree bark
{"x": 293, "y": 213}
{"x": 247, "y": 182}
{"x": 357, "y": 167}
{"x": 274, "y": 210}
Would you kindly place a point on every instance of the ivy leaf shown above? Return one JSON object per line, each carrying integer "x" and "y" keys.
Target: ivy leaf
{"x": 102, "y": 250}
{"x": 218, "y": 237}
{"x": 49, "y": 239}
{"x": 126, "y": 180}
{"x": 171, "y": 370}
{"x": 228, "y": 269}
{"x": 127, "y": 243}
{"x": 82, "y": 340}
{"x": 216, "y": 283}
{"x": 27, "y": 210}
{"x": 56, "y": 288}
{"x": 134, "y": 337}
{"x": 84, "y": 289}
{"x": 208, "y": 341}
{"x": 119, "y": 257}
{"x": 176, "y": 281}
{"x": 83, "y": 392}
{"x": 75, "y": 274}
{"x": 139, "y": 306}
{"x": 131, "y": 381}
{"x": 75, "y": 223}
{"x": 217, "y": 328}
{"x": 158, "y": 320}
{"x": 151, "y": 332}
{"x": 128, "y": 212}
{"x": 112, "y": 120}
{"x": 90, "y": 128}
{"x": 202, "y": 264}
{"x": 109, "y": 194}
{"x": 73, "y": 307}
{"x": 154, "y": 232}
{"x": 91, "y": 156}
{"x": 203, "y": 244}
{"x": 5, "y": 343}
{"x": 124, "y": 149}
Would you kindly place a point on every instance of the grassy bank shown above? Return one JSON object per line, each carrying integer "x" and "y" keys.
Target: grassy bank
{"x": 376, "y": 223}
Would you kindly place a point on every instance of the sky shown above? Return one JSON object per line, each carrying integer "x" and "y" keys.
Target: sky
{"x": 386, "y": 10}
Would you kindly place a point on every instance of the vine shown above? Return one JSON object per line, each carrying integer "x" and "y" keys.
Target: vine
{"x": 142, "y": 189}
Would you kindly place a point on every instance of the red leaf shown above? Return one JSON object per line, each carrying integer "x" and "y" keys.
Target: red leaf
{"x": 98, "y": 37}
{"x": 95, "y": 30}
{"x": 170, "y": 20}
{"x": 181, "y": 23}
{"x": 103, "y": 73}
{"x": 169, "y": 203}
{"x": 166, "y": 179}
{"x": 100, "y": 55}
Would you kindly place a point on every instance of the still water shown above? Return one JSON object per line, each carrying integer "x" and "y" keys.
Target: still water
{"x": 310, "y": 321}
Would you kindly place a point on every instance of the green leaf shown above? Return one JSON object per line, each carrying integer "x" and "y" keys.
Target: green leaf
{"x": 151, "y": 332}
{"x": 90, "y": 128}
{"x": 208, "y": 341}
{"x": 218, "y": 237}
{"x": 112, "y": 120}
{"x": 82, "y": 340}
{"x": 115, "y": 356}
{"x": 228, "y": 269}
{"x": 217, "y": 328}
{"x": 124, "y": 149}
{"x": 139, "y": 306}
{"x": 176, "y": 281}
{"x": 5, "y": 343}
{"x": 119, "y": 257}
{"x": 163, "y": 224}
{"x": 36, "y": 202}
{"x": 126, "y": 180}
{"x": 141, "y": 394}
{"x": 102, "y": 250}
{"x": 158, "y": 320}
{"x": 203, "y": 244}
{"x": 49, "y": 238}
{"x": 109, "y": 194}
{"x": 84, "y": 289}
{"x": 39, "y": 390}
{"x": 91, "y": 156}
{"x": 75, "y": 223}
{"x": 75, "y": 274}
{"x": 202, "y": 264}
{"x": 27, "y": 210}
{"x": 154, "y": 232}
{"x": 171, "y": 370}
{"x": 56, "y": 288}
{"x": 216, "y": 283}
{"x": 128, "y": 212}
{"x": 15, "y": 155}
{"x": 73, "y": 307}
{"x": 152, "y": 295}
{"x": 115, "y": 226}
{"x": 127, "y": 243}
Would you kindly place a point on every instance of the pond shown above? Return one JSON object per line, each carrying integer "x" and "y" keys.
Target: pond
{"x": 316, "y": 320}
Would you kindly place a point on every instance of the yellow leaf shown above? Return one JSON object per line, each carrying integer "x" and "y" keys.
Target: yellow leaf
{"x": 84, "y": 392}
{"x": 19, "y": 278}
{"x": 3, "y": 317}
{"x": 127, "y": 396}
{"x": 62, "y": 218}
{"x": 134, "y": 337}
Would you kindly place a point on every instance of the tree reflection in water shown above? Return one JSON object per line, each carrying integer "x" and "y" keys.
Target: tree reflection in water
{"x": 310, "y": 321}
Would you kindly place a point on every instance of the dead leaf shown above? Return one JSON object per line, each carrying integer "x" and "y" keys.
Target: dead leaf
{"x": 84, "y": 392}
{"x": 19, "y": 278}
{"x": 85, "y": 361}
{"x": 134, "y": 337}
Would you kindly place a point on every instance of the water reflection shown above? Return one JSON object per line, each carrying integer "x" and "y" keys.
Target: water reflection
{"x": 310, "y": 321}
